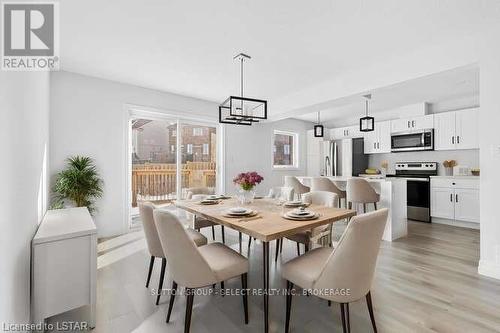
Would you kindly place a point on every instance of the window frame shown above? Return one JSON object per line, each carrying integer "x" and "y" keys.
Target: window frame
{"x": 294, "y": 151}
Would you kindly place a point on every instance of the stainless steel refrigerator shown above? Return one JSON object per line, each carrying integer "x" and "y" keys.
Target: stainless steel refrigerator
{"x": 344, "y": 157}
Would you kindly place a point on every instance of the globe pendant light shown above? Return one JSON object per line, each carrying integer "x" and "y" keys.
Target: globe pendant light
{"x": 318, "y": 129}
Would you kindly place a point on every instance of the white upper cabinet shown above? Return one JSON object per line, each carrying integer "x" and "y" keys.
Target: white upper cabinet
{"x": 379, "y": 140}
{"x": 412, "y": 124}
{"x": 466, "y": 129}
{"x": 456, "y": 130}
{"x": 346, "y": 133}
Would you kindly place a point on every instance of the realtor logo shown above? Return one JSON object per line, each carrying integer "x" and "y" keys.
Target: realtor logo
{"x": 30, "y": 36}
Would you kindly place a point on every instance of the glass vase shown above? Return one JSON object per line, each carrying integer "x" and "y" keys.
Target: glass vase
{"x": 245, "y": 197}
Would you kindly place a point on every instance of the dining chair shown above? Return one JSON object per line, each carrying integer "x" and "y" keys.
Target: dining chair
{"x": 200, "y": 193}
{"x": 325, "y": 184}
{"x": 154, "y": 245}
{"x": 281, "y": 192}
{"x": 298, "y": 187}
{"x": 320, "y": 198}
{"x": 347, "y": 269}
{"x": 197, "y": 267}
{"x": 359, "y": 191}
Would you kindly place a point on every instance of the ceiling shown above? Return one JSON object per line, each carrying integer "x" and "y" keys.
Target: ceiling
{"x": 186, "y": 47}
{"x": 449, "y": 86}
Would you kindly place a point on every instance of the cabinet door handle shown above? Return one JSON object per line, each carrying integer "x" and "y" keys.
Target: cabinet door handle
{"x": 458, "y": 138}
{"x": 453, "y": 140}
{"x": 374, "y": 145}
{"x": 408, "y": 124}
{"x": 378, "y": 145}
{"x": 456, "y": 197}
{"x": 413, "y": 123}
{"x": 451, "y": 197}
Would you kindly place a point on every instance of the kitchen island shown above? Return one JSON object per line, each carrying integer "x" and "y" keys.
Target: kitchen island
{"x": 392, "y": 196}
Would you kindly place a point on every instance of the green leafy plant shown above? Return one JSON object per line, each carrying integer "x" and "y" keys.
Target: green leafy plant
{"x": 79, "y": 182}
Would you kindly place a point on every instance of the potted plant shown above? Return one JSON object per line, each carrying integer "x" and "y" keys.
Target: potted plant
{"x": 247, "y": 182}
{"x": 78, "y": 183}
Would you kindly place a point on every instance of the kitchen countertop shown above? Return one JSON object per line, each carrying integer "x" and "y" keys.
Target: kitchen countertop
{"x": 462, "y": 177}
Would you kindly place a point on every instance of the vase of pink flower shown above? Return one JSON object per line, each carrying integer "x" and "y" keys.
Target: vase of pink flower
{"x": 247, "y": 182}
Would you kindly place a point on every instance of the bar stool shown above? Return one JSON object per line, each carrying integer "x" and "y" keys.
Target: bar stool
{"x": 360, "y": 191}
{"x": 325, "y": 184}
{"x": 298, "y": 187}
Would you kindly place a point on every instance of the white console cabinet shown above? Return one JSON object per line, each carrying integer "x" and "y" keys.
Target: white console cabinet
{"x": 64, "y": 264}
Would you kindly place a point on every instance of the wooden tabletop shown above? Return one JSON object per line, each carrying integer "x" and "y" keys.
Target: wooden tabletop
{"x": 272, "y": 225}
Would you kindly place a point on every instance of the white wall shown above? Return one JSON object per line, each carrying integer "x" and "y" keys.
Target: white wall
{"x": 489, "y": 141}
{"x": 24, "y": 107}
{"x": 88, "y": 118}
{"x": 249, "y": 148}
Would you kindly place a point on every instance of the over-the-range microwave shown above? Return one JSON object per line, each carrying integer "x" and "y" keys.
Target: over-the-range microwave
{"x": 412, "y": 141}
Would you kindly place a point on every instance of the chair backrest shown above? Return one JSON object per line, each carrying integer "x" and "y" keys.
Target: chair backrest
{"x": 359, "y": 190}
{"x": 146, "y": 212}
{"x": 325, "y": 184}
{"x": 185, "y": 263}
{"x": 283, "y": 193}
{"x": 322, "y": 198}
{"x": 351, "y": 265}
{"x": 199, "y": 190}
{"x": 298, "y": 187}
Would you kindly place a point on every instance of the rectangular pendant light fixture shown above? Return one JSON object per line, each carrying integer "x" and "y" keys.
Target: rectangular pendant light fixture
{"x": 367, "y": 123}
{"x": 240, "y": 110}
{"x": 318, "y": 131}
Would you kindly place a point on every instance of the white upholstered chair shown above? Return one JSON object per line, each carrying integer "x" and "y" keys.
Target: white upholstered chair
{"x": 348, "y": 268}
{"x": 153, "y": 241}
{"x": 325, "y": 184}
{"x": 298, "y": 187}
{"x": 321, "y": 198}
{"x": 282, "y": 193}
{"x": 199, "y": 193}
{"x": 359, "y": 191}
{"x": 197, "y": 267}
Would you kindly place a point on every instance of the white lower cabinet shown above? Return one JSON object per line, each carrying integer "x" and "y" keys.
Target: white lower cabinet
{"x": 455, "y": 199}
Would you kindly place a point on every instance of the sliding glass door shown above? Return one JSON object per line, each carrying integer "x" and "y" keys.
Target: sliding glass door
{"x": 169, "y": 156}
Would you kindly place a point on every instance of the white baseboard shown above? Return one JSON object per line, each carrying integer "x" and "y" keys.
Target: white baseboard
{"x": 455, "y": 223}
{"x": 488, "y": 268}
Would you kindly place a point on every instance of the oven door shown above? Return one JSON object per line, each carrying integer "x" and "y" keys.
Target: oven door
{"x": 411, "y": 141}
{"x": 418, "y": 199}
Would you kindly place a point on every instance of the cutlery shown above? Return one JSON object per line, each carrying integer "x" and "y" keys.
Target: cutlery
{"x": 250, "y": 218}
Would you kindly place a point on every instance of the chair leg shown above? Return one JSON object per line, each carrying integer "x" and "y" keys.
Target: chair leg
{"x": 223, "y": 235}
{"x": 162, "y": 276}
{"x": 277, "y": 250}
{"x": 375, "y": 205}
{"x": 306, "y": 248}
{"x": 222, "y": 288}
{"x": 281, "y": 245}
{"x": 249, "y": 242}
{"x": 342, "y": 315}
{"x": 348, "y": 320}
{"x": 189, "y": 309}
{"x": 240, "y": 239}
{"x": 151, "y": 264}
{"x": 364, "y": 207}
{"x": 289, "y": 287}
{"x": 245, "y": 295}
{"x": 213, "y": 233}
{"x": 370, "y": 310}
{"x": 172, "y": 298}
{"x": 349, "y": 205}
{"x": 298, "y": 249}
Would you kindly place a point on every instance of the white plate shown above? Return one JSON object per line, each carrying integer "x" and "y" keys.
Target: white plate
{"x": 293, "y": 203}
{"x": 299, "y": 213}
{"x": 301, "y": 218}
{"x": 239, "y": 210}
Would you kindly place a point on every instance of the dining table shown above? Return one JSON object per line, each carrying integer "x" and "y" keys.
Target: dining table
{"x": 267, "y": 225}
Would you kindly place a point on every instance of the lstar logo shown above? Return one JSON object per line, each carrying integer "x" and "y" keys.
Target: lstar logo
{"x": 30, "y": 38}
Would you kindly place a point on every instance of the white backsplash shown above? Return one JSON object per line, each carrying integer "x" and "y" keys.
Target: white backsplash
{"x": 468, "y": 158}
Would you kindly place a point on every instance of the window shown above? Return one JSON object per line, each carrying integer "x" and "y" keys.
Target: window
{"x": 189, "y": 148}
{"x": 285, "y": 145}
{"x": 205, "y": 149}
{"x": 197, "y": 131}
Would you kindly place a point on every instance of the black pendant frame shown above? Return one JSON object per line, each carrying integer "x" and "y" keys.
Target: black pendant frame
{"x": 227, "y": 116}
{"x": 369, "y": 121}
{"x": 319, "y": 131}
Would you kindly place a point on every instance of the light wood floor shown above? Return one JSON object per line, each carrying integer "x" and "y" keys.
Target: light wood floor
{"x": 427, "y": 282}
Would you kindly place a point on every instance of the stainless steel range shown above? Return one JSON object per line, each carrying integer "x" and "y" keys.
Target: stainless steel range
{"x": 417, "y": 175}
